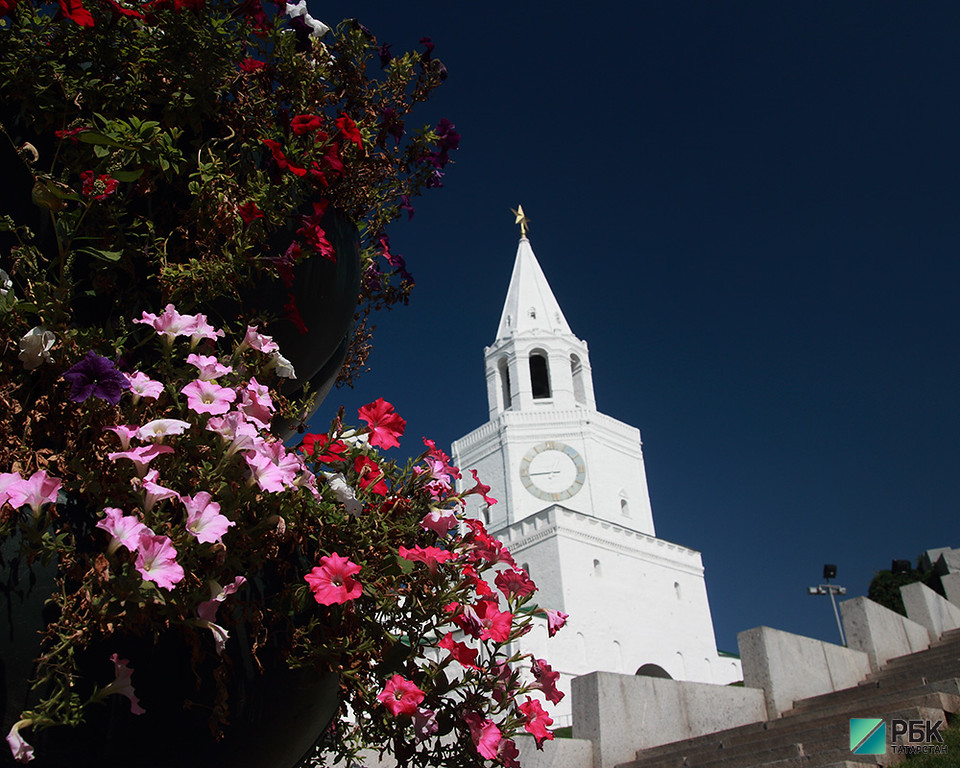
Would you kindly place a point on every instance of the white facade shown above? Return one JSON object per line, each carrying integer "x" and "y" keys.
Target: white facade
{"x": 574, "y": 508}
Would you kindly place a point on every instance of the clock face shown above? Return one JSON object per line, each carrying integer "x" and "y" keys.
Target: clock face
{"x": 552, "y": 471}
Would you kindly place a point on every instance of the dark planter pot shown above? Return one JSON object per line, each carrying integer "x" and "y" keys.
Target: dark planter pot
{"x": 276, "y": 717}
{"x": 326, "y": 294}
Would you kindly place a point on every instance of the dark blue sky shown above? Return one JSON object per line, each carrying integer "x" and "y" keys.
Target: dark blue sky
{"x": 749, "y": 210}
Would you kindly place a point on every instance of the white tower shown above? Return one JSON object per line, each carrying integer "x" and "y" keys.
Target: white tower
{"x": 574, "y": 508}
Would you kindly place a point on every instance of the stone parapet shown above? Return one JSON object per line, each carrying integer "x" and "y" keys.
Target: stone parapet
{"x": 620, "y": 714}
{"x": 926, "y": 607}
{"x": 879, "y": 632}
{"x": 788, "y": 667}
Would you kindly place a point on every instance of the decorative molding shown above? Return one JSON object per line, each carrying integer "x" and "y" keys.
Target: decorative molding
{"x": 553, "y": 517}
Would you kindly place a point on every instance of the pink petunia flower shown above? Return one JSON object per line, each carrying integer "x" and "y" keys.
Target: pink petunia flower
{"x": 400, "y": 696}
{"x": 40, "y": 489}
{"x": 157, "y": 561}
{"x": 555, "y": 620}
{"x": 459, "y": 652}
{"x": 155, "y": 492}
{"x": 123, "y": 684}
{"x": 440, "y": 521}
{"x": 124, "y": 529}
{"x": 142, "y": 385}
{"x": 272, "y": 467}
{"x": 209, "y": 367}
{"x": 201, "y": 329}
{"x": 208, "y": 397}
{"x": 207, "y": 611}
{"x": 538, "y": 722}
{"x": 259, "y": 341}
{"x": 429, "y": 556}
{"x": 546, "y": 680}
{"x": 169, "y": 323}
{"x": 507, "y": 754}
{"x": 141, "y": 456}
{"x": 256, "y": 404}
{"x": 495, "y": 624}
{"x": 237, "y": 432}
{"x": 21, "y": 750}
{"x": 385, "y": 424}
{"x": 204, "y": 519}
{"x": 125, "y": 432}
{"x": 485, "y": 734}
{"x": 332, "y": 581}
{"x": 481, "y": 489}
{"x": 206, "y": 615}
{"x": 515, "y": 583}
{"x": 6, "y": 480}
{"x": 425, "y": 723}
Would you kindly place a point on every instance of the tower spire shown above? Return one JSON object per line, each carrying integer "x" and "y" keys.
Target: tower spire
{"x": 530, "y": 305}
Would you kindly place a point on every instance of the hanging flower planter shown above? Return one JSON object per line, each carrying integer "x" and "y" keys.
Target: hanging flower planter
{"x": 196, "y": 211}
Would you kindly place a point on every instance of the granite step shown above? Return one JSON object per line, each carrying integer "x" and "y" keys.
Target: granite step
{"x": 816, "y": 740}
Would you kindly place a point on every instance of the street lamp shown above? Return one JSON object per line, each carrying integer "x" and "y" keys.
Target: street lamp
{"x": 830, "y": 572}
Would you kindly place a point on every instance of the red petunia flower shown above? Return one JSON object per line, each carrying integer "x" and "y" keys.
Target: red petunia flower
{"x": 322, "y": 449}
{"x": 303, "y": 124}
{"x": 292, "y": 314}
{"x": 371, "y": 477}
{"x": 249, "y": 65}
{"x": 249, "y": 212}
{"x": 98, "y": 187}
{"x": 74, "y": 10}
{"x": 349, "y": 131}
{"x": 385, "y": 424}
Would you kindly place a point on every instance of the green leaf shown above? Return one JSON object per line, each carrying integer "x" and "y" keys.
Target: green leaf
{"x": 127, "y": 175}
{"x": 102, "y": 255}
{"x": 92, "y": 137}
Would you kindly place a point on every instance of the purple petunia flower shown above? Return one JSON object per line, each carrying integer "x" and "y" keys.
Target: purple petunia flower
{"x": 97, "y": 377}
{"x": 385, "y": 56}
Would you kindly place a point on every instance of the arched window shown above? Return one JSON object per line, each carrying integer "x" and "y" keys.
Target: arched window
{"x": 597, "y": 568}
{"x": 576, "y": 371}
{"x": 539, "y": 376}
{"x": 624, "y": 506}
{"x": 654, "y": 670}
{"x": 676, "y": 588}
{"x": 505, "y": 383}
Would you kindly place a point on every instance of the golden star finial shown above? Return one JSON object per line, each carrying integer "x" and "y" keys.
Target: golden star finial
{"x": 522, "y": 220}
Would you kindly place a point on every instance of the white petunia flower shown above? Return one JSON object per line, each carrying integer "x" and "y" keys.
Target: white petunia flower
{"x": 35, "y": 348}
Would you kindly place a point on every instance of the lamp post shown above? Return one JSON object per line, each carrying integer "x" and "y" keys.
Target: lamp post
{"x": 830, "y": 572}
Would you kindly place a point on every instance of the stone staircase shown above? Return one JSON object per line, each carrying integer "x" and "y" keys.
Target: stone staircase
{"x": 815, "y": 733}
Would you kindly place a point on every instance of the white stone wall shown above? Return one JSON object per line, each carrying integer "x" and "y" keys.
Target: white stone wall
{"x": 633, "y": 600}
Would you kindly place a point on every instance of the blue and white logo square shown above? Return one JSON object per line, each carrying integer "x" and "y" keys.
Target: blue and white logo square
{"x": 868, "y": 736}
